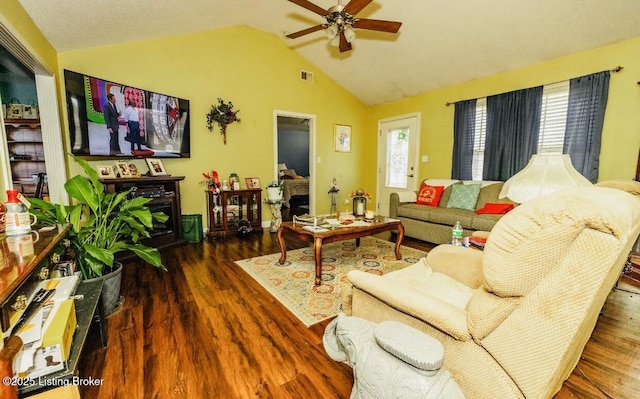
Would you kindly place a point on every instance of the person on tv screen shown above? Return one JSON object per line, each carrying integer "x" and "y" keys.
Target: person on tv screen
{"x": 111, "y": 119}
{"x": 131, "y": 116}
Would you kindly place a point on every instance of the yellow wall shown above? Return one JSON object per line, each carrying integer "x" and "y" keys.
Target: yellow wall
{"x": 621, "y": 132}
{"x": 259, "y": 74}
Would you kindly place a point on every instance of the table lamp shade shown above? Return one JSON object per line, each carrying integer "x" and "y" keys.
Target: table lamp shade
{"x": 544, "y": 174}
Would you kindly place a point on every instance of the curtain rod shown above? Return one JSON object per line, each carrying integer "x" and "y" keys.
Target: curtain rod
{"x": 614, "y": 70}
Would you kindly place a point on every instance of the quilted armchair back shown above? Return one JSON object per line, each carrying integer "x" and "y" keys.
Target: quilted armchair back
{"x": 548, "y": 267}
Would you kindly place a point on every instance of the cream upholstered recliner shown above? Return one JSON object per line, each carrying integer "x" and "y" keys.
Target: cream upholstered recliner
{"x": 515, "y": 318}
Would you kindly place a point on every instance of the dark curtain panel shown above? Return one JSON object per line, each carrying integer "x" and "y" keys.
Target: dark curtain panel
{"x": 585, "y": 117}
{"x": 513, "y": 126}
{"x": 464, "y": 129}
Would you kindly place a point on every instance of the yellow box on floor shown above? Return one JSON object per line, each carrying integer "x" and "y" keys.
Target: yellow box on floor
{"x": 62, "y": 327}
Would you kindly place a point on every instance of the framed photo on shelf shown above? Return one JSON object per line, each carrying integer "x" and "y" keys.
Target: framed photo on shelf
{"x": 133, "y": 170}
{"x": 105, "y": 172}
{"x": 342, "y": 138}
{"x": 156, "y": 168}
{"x": 122, "y": 169}
{"x": 252, "y": 182}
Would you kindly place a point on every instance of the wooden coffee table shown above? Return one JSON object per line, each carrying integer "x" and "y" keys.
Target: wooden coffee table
{"x": 342, "y": 233}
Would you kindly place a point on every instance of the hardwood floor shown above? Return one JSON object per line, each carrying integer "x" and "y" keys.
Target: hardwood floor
{"x": 205, "y": 329}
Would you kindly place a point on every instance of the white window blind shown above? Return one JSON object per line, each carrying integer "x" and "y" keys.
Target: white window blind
{"x": 479, "y": 139}
{"x": 553, "y": 118}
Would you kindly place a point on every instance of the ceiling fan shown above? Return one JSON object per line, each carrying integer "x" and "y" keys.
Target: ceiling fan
{"x": 341, "y": 20}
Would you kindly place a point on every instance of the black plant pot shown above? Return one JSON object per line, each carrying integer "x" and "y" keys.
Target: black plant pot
{"x": 111, "y": 289}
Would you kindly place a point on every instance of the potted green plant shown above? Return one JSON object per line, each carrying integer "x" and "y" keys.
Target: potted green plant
{"x": 274, "y": 191}
{"x": 102, "y": 224}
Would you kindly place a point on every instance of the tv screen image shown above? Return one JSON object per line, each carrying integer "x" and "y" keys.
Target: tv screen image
{"x": 163, "y": 120}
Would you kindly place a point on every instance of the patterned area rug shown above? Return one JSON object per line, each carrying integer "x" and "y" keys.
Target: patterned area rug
{"x": 292, "y": 282}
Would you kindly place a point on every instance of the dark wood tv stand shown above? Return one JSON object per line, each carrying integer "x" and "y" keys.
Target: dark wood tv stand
{"x": 164, "y": 192}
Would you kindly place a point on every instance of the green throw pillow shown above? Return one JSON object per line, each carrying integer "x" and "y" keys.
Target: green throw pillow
{"x": 464, "y": 196}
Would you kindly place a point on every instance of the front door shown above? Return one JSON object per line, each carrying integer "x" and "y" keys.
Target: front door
{"x": 398, "y": 143}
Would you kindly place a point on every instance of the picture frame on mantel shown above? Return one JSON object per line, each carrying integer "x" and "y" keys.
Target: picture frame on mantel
{"x": 105, "y": 172}
{"x": 342, "y": 138}
{"x": 156, "y": 168}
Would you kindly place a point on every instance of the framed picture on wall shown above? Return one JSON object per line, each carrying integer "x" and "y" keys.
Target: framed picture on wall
{"x": 156, "y": 168}
{"x": 342, "y": 138}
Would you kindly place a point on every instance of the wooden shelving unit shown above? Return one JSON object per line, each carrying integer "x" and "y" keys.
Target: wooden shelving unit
{"x": 225, "y": 210}
{"x": 26, "y": 154}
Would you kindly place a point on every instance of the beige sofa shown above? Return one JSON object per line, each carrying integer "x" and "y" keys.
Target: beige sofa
{"x": 515, "y": 317}
{"x": 434, "y": 224}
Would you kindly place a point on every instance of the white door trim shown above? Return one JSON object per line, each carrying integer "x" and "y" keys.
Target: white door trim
{"x": 52, "y": 139}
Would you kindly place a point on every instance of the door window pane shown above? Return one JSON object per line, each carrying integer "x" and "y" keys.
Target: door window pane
{"x": 397, "y": 158}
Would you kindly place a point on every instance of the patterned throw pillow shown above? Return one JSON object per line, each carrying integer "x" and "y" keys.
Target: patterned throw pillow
{"x": 429, "y": 195}
{"x": 464, "y": 196}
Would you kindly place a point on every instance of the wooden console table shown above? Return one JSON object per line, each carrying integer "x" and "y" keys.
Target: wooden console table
{"x": 164, "y": 192}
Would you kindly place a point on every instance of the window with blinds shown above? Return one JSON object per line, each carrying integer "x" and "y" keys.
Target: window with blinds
{"x": 479, "y": 139}
{"x": 553, "y": 120}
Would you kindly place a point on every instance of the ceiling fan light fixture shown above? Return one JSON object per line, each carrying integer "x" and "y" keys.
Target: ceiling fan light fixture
{"x": 341, "y": 21}
{"x": 349, "y": 34}
{"x": 331, "y": 31}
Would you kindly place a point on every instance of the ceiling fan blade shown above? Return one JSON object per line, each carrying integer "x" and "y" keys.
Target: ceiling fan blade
{"x": 355, "y": 6}
{"x": 376, "y": 24}
{"x": 344, "y": 44}
{"x": 311, "y": 7}
{"x": 305, "y": 31}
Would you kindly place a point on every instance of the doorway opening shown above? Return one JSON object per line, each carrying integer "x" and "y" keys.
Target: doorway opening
{"x": 294, "y": 139}
{"x": 18, "y": 173}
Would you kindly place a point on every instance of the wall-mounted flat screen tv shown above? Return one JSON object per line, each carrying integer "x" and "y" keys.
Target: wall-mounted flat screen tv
{"x": 163, "y": 120}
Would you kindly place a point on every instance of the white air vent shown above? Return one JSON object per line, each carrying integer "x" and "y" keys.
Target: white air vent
{"x": 306, "y": 76}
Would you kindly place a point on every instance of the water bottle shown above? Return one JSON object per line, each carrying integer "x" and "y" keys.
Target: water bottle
{"x": 456, "y": 235}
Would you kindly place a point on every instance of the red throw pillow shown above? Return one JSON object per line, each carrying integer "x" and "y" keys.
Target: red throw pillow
{"x": 430, "y": 195}
{"x": 495, "y": 209}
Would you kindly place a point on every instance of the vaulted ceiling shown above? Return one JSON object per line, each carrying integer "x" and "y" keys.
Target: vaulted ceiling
{"x": 440, "y": 43}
